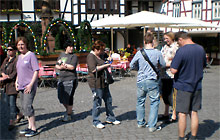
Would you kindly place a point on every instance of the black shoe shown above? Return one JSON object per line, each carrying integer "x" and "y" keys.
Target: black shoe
{"x": 11, "y": 127}
{"x": 162, "y": 118}
{"x": 31, "y": 133}
{"x": 25, "y": 131}
{"x": 173, "y": 121}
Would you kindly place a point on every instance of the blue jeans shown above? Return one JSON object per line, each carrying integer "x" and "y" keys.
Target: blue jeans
{"x": 11, "y": 100}
{"x": 98, "y": 95}
{"x": 150, "y": 88}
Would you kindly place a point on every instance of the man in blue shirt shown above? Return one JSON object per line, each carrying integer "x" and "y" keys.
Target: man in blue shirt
{"x": 147, "y": 83}
{"x": 187, "y": 66}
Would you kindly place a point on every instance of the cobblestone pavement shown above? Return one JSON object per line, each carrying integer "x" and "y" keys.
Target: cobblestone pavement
{"x": 49, "y": 112}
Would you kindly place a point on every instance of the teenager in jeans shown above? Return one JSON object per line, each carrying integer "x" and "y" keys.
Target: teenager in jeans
{"x": 147, "y": 83}
{"x": 99, "y": 88}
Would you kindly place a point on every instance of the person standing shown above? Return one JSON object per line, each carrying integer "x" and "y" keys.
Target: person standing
{"x": 26, "y": 83}
{"x": 148, "y": 83}
{"x": 168, "y": 51}
{"x": 99, "y": 88}
{"x": 9, "y": 73}
{"x": 68, "y": 81}
{"x": 187, "y": 65}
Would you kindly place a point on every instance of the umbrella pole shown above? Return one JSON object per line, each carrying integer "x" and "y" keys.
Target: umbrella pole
{"x": 158, "y": 34}
{"x": 144, "y": 34}
{"x": 112, "y": 39}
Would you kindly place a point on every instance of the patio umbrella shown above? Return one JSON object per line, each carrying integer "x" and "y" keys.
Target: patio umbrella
{"x": 106, "y": 22}
{"x": 195, "y": 23}
{"x": 146, "y": 18}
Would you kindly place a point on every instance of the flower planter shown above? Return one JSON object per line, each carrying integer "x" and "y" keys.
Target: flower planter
{"x": 51, "y": 59}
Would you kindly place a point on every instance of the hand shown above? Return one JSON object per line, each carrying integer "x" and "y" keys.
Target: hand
{"x": 27, "y": 89}
{"x": 16, "y": 86}
{"x": 59, "y": 62}
{"x": 1, "y": 78}
{"x": 63, "y": 66}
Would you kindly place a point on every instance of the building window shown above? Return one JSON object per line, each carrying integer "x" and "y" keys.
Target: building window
{"x": 176, "y": 9}
{"x": 197, "y": 10}
{"x": 11, "y": 5}
{"x": 216, "y": 10}
{"x": 103, "y": 6}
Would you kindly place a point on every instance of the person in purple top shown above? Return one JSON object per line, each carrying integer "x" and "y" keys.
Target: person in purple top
{"x": 26, "y": 83}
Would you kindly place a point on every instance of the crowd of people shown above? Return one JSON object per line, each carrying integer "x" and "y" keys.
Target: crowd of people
{"x": 175, "y": 72}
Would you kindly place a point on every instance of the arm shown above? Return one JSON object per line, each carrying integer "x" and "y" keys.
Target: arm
{"x": 173, "y": 71}
{"x": 101, "y": 67}
{"x": 14, "y": 73}
{"x": 134, "y": 61}
{"x": 16, "y": 83}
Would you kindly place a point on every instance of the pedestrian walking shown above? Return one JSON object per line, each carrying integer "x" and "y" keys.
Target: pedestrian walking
{"x": 147, "y": 61}
{"x": 68, "y": 81}
{"x": 99, "y": 87}
{"x": 26, "y": 83}
{"x": 187, "y": 65}
{"x": 9, "y": 73}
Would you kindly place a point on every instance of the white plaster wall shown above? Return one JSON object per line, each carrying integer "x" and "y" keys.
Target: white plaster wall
{"x": 27, "y": 5}
{"x": 67, "y": 16}
{"x": 3, "y": 18}
{"x": 62, "y": 5}
{"x": 120, "y": 41}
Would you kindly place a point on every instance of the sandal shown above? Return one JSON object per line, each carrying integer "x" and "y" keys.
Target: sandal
{"x": 19, "y": 119}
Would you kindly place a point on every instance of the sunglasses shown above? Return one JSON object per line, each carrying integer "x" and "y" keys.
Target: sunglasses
{"x": 9, "y": 49}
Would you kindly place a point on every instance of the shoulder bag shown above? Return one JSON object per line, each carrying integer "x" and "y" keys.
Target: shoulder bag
{"x": 149, "y": 62}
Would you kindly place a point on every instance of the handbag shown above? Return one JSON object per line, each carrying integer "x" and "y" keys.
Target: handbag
{"x": 149, "y": 62}
{"x": 108, "y": 77}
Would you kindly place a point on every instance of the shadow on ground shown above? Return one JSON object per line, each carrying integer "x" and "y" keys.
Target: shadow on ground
{"x": 58, "y": 122}
{"x": 209, "y": 127}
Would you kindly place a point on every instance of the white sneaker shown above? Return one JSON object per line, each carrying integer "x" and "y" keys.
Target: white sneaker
{"x": 66, "y": 118}
{"x": 100, "y": 126}
{"x": 116, "y": 122}
{"x": 155, "y": 129}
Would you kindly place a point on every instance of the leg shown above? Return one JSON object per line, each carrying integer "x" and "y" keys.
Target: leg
{"x": 154, "y": 106}
{"x": 97, "y": 102}
{"x": 166, "y": 111}
{"x": 108, "y": 105}
{"x": 28, "y": 108}
{"x": 173, "y": 117}
{"x": 31, "y": 123}
{"x": 194, "y": 123}
{"x": 13, "y": 107}
{"x": 69, "y": 109}
{"x": 182, "y": 124}
{"x": 140, "y": 106}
